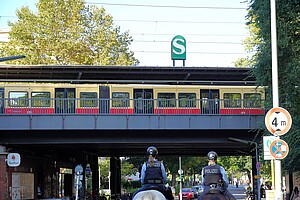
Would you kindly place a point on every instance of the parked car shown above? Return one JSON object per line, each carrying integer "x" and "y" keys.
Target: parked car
{"x": 187, "y": 193}
{"x": 199, "y": 188}
{"x": 196, "y": 192}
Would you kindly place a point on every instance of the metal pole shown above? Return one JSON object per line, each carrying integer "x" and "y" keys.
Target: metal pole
{"x": 277, "y": 163}
{"x": 77, "y": 186}
{"x": 256, "y": 159}
{"x": 257, "y": 171}
{"x": 180, "y": 184}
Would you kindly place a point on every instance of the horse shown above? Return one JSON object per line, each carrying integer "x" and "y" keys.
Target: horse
{"x": 213, "y": 194}
{"x": 217, "y": 196}
{"x": 149, "y": 195}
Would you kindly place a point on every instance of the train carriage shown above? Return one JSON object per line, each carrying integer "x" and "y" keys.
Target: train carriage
{"x": 67, "y": 98}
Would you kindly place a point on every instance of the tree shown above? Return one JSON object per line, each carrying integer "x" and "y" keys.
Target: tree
{"x": 66, "y": 32}
{"x": 288, "y": 45}
{"x": 236, "y": 166}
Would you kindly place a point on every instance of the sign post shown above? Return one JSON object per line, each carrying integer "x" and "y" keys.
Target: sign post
{"x": 278, "y": 121}
{"x": 78, "y": 172}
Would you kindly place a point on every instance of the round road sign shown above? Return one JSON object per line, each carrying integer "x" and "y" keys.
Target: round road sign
{"x": 78, "y": 169}
{"x": 279, "y": 149}
{"x": 278, "y": 121}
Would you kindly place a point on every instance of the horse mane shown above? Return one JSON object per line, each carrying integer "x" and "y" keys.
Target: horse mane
{"x": 149, "y": 195}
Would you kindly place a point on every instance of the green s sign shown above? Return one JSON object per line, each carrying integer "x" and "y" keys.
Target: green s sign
{"x": 178, "y": 48}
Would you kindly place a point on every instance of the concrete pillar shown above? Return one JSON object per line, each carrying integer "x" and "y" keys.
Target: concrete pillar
{"x": 115, "y": 179}
{"x": 3, "y": 174}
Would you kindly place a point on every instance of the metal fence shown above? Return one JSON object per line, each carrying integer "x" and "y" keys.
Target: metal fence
{"x": 49, "y": 106}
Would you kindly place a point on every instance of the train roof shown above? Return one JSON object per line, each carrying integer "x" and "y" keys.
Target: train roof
{"x": 127, "y": 74}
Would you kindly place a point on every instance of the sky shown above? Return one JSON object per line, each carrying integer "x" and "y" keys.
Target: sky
{"x": 214, "y": 29}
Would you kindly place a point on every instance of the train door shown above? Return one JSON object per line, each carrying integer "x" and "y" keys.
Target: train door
{"x": 1, "y": 100}
{"x": 210, "y": 103}
{"x": 143, "y": 101}
{"x": 64, "y": 100}
{"x": 104, "y": 96}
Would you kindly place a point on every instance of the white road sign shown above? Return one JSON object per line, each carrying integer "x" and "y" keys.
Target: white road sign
{"x": 278, "y": 121}
{"x": 13, "y": 159}
{"x": 267, "y": 140}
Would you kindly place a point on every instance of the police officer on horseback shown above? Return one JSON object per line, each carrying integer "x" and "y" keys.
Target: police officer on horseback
{"x": 153, "y": 175}
{"x": 214, "y": 177}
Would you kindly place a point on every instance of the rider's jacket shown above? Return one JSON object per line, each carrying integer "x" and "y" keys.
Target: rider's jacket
{"x": 153, "y": 173}
{"x": 212, "y": 174}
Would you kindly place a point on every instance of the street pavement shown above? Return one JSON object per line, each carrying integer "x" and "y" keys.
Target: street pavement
{"x": 238, "y": 192}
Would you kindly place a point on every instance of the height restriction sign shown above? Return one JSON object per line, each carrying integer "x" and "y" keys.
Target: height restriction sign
{"x": 278, "y": 120}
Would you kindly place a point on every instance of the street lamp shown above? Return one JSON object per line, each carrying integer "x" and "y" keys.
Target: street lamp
{"x": 256, "y": 159}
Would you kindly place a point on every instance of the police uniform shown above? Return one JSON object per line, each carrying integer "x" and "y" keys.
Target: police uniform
{"x": 215, "y": 174}
{"x": 153, "y": 177}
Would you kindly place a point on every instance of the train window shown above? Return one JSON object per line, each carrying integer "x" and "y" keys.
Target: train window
{"x": 232, "y": 100}
{"x": 18, "y": 99}
{"x": 166, "y": 100}
{"x": 187, "y": 99}
{"x": 252, "y": 100}
{"x": 40, "y": 99}
{"x": 88, "y": 99}
{"x": 120, "y": 99}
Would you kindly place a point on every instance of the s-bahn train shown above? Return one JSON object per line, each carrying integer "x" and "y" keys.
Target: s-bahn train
{"x": 68, "y": 98}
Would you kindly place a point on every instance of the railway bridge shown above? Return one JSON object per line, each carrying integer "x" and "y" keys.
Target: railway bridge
{"x": 50, "y": 142}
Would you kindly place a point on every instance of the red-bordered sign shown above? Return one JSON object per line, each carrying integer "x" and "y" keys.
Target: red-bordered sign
{"x": 279, "y": 149}
{"x": 278, "y": 120}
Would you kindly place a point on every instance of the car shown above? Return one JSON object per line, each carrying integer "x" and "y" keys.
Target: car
{"x": 187, "y": 193}
{"x": 196, "y": 192}
{"x": 199, "y": 188}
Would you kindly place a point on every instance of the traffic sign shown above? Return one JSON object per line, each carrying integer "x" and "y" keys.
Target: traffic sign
{"x": 279, "y": 149}
{"x": 13, "y": 159}
{"x": 278, "y": 121}
{"x": 267, "y": 140}
{"x": 180, "y": 171}
{"x": 258, "y": 165}
{"x": 78, "y": 169}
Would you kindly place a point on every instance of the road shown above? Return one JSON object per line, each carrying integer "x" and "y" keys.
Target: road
{"x": 238, "y": 193}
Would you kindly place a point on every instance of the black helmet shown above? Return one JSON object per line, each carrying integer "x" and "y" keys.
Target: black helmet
{"x": 212, "y": 155}
{"x": 152, "y": 151}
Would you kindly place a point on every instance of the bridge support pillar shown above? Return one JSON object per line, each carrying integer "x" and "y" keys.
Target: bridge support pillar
{"x": 95, "y": 179}
{"x": 115, "y": 179}
{"x": 3, "y": 173}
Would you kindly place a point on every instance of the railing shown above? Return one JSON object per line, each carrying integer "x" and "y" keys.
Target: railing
{"x": 58, "y": 106}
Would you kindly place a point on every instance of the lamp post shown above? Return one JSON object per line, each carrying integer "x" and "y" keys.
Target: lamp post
{"x": 256, "y": 159}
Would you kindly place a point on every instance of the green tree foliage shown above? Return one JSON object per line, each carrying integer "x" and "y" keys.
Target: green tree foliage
{"x": 67, "y": 32}
{"x": 288, "y": 44}
{"x": 236, "y": 166}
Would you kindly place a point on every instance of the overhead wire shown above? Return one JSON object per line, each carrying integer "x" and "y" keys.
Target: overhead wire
{"x": 166, "y": 6}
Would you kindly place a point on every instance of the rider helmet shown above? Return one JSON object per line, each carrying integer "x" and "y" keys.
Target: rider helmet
{"x": 152, "y": 151}
{"x": 212, "y": 155}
